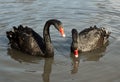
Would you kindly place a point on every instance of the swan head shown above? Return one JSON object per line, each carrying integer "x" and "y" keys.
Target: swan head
{"x": 75, "y": 41}
{"x": 58, "y": 26}
{"x": 75, "y": 36}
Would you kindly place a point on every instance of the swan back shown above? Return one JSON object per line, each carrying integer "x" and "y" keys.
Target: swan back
{"x": 92, "y": 38}
{"x": 25, "y": 39}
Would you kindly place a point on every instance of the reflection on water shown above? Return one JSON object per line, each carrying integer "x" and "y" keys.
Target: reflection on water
{"x": 93, "y": 55}
{"x": 75, "y": 63}
{"x": 22, "y": 57}
{"x": 47, "y": 69}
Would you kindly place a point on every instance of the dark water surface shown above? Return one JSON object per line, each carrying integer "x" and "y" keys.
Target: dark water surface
{"x": 98, "y": 66}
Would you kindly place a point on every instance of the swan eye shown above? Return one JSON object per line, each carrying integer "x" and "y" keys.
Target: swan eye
{"x": 61, "y": 30}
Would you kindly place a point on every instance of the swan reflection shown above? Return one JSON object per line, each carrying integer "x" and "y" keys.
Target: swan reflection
{"x": 22, "y": 57}
{"x": 75, "y": 63}
{"x": 25, "y": 58}
{"x": 47, "y": 69}
{"x": 93, "y": 55}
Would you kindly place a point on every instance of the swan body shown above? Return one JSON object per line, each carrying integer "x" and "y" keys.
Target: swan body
{"x": 27, "y": 40}
{"x": 88, "y": 39}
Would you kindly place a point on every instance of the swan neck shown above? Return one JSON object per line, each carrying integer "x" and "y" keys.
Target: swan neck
{"x": 47, "y": 39}
{"x": 46, "y": 34}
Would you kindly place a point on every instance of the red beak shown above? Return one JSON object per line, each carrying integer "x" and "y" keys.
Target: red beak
{"x": 76, "y": 53}
{"x": 62, "y": 32}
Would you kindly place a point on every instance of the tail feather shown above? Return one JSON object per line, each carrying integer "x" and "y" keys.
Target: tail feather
{"x": 25, "y": 39}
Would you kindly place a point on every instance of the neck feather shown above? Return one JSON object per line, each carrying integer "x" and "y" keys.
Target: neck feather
{"x": 47, "y": 39}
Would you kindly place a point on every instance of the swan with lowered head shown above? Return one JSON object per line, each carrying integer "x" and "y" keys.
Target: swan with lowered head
{"x": 89, "y": 39}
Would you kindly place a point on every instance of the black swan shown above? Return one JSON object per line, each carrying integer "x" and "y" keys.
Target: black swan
{"x": 27, "y": 40}
{"x": 89, "y": 39}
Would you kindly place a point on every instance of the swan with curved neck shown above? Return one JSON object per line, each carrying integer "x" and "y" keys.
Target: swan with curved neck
{"x": 89, "y": 39}
{"x": 27, "y": 40}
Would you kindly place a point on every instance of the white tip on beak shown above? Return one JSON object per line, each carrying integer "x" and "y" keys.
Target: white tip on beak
{"x": 64, "y": 35}
{"x": 76, "y": 56}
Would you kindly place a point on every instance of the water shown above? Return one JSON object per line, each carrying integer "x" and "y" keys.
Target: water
{"x": 100, "y": 66}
